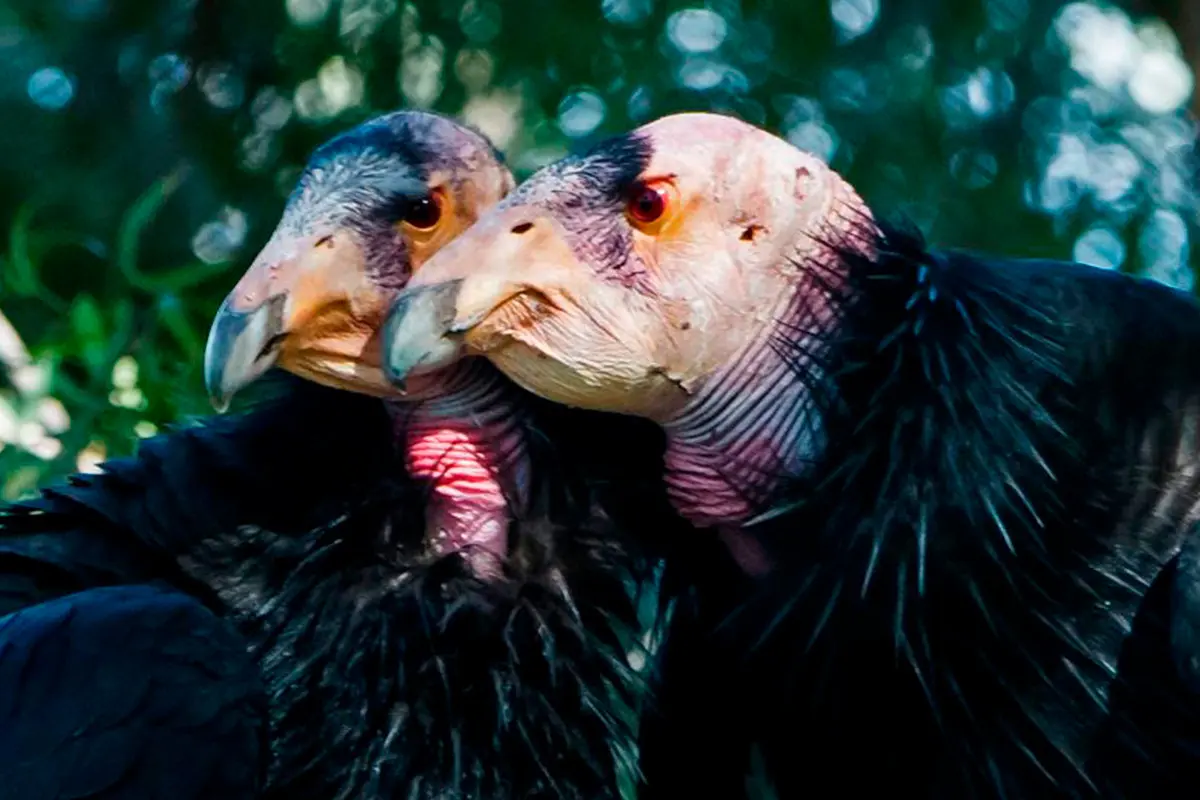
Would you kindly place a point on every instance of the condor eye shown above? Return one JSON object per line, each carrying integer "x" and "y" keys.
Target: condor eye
{"x": 423, "y": 213}
{"x": 648, "y": 203}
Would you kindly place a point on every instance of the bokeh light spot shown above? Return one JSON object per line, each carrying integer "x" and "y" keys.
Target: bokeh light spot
{"x": 496, "y": 114}
{"x": 421, "y": 73}
{"x": 580, "y": 113}
{"x": 1100, "y": 247}
{"x": 816, "y": 138}
{"x": 306, "y": 13}
{"x": 1164, "y": 248}
{"x": 221, "y": 86}
{"x": 219, "y": 240}
{"x": 853, "y": 18}
{"x": 696, "y": 30}
{"x": 337, "y": 87}
{"x": 1161, "y": 82}
{"x": 626, "y": 12}
{"x": 50, "y": 88}
{"x": 1101, "y": 42}
{"x": 361, "y": 19}
{"x": 169, "y": 72}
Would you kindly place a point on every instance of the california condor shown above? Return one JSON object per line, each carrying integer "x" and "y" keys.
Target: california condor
{"x": 962, "y": 490}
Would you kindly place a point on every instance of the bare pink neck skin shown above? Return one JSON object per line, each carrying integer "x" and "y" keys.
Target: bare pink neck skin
{"x": 753, "y": 424}
{"x": 728, "y": 450}
{"x": 468, "y": 443}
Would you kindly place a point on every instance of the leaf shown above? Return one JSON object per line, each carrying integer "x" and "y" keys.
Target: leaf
{"x": 22, "y": 273}
{"x": 134, "y": 224}
{"x": 123, "y": 318}
{"x": 23, "y": 278}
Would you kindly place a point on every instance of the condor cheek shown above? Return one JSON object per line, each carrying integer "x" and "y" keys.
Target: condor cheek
{"x": 712, "y": 313}
{"x": 603, "y": 351}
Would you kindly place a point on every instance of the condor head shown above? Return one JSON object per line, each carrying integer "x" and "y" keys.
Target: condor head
{"x": 371, "y": 207}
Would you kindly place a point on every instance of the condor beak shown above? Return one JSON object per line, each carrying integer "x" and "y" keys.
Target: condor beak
{"x": 512, "y": 288}
{"x": 242, "y": 345}
{"x": 307, "y": 305}
{"x": 506, "y": 268}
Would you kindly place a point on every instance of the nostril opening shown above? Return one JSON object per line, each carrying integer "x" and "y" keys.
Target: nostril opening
{"x": 522, "y": 228}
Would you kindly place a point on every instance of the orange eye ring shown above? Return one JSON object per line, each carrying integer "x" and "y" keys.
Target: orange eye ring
{"x": 648, "y": 203}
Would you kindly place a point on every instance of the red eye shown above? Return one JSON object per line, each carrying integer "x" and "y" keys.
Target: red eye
{"x": 648, "y": 203}
{"x": 423, "y": 213}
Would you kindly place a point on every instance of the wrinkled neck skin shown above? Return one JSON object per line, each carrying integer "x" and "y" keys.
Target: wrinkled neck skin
{"x": 754, "y": 424}
{"x": 467, "y": 442}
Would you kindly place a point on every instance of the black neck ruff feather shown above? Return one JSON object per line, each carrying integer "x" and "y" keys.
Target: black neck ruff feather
{"x": 390, "y": 673}
{"x": 1011, "y": 460}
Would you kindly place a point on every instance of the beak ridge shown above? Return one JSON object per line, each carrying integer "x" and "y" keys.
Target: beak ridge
{"x": 242, "y": 345}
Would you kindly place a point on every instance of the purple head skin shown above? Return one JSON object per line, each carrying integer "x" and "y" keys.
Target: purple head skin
{"x": 649, "y": 277}
{"x": 371, "y": 207}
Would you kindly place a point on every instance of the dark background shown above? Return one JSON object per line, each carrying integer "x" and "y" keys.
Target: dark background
{"x": 146, "y": 147}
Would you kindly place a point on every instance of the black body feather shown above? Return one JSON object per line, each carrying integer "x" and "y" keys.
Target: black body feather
{"x": 128, "y": 692}
{"x": 385, "y": 672}
{"x": 978, "y": 592}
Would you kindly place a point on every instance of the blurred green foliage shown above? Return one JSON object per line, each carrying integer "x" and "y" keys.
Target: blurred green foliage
{"x": 145, "y": 148}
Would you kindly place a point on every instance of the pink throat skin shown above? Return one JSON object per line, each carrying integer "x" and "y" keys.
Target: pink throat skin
{"x": 752, "y": 426}
{"x": 468, "y": 444}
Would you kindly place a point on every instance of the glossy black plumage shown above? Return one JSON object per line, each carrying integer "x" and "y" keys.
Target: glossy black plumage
{"x": 979, "y": 589}
{"x": 384, "y": 674}
{"x": 127, "y": 691}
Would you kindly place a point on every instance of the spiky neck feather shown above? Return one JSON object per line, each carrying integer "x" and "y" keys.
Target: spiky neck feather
{"x": 932, "y": 384}
{"x": 992, "y": 494}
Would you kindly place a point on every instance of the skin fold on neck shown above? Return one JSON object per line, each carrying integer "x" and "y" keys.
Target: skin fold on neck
{"x": 468, "y": 443}
{"x": 728, "y": 449}
{"x": 756, "y": 423}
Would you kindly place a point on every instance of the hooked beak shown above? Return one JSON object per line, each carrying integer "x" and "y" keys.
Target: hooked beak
{"x": 242, "y": 345}
{"x": 307, "y": 305}
{"x": 512, "y": 288}
{"x": 422, "y": 323}
{"x": 464, "y": 300}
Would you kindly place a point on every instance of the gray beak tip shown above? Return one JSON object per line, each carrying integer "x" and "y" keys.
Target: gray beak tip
{"x": 219, "y": 403}
{"x": 416, "y": 333}
{"x": 241, "y": 347}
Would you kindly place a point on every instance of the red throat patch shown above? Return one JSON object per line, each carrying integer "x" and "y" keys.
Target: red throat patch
{"x": 476, "y": 468}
